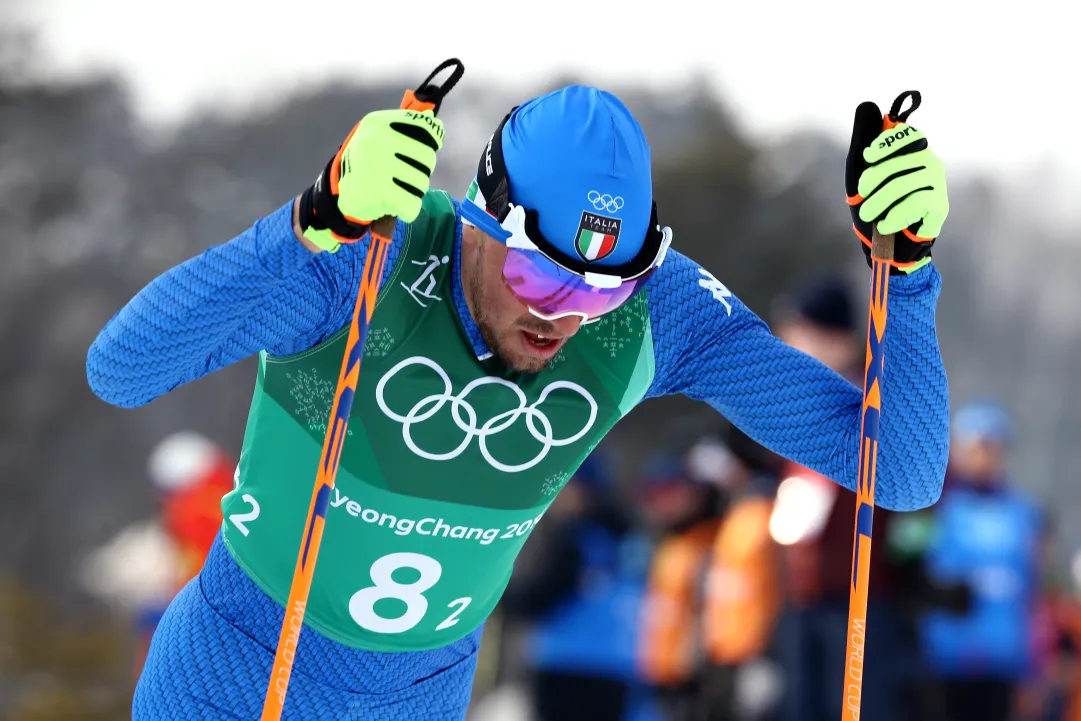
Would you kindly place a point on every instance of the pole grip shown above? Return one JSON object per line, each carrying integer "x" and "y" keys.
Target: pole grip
{"x": 882, "y": 246}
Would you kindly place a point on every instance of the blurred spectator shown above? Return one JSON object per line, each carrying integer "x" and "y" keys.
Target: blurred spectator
{"x": 742, "y": 597}
{"x": 993, "y": 537}
{"x": 906, "y": 546}
{"x": 192, "y": 474}
{"x": 682, "y": 509}
{"x": 582, "y": 591}
{"x": 147, "y": 563}
{"x": 813, "y": 519}
{"x": 1066, "y": 614}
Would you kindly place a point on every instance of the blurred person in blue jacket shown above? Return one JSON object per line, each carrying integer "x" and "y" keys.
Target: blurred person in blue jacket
{"x": 990, "y": 536}
{"x": 581, "y": 588}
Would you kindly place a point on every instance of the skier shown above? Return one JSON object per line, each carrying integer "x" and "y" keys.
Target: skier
{"x": 515, "y": 327}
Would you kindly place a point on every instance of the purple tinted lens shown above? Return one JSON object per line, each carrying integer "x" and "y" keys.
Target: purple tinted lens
{"x": 549, "y": 289}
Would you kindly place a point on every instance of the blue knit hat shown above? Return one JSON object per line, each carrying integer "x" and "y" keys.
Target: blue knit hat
{"x": 984, "y": 420}
{"x": 578, "y": 157}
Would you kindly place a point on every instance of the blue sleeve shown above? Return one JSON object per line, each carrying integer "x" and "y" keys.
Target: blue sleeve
{"x": 711, "y": 347}
{"x": 261, "y": 290}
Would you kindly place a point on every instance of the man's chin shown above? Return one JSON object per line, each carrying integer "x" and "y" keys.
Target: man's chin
{"x": 517, "y": 360}
{"x": 522, "y": 363}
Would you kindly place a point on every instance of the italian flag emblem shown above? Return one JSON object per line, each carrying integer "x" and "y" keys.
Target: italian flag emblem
{"x": 473, "y": 195}
{"x": 597, "y": 236}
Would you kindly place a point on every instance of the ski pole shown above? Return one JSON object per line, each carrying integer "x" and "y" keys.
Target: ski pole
{"x": 426, "y": 97}
{"x": 881, "y": 255}
{"x": 882, "y": 247}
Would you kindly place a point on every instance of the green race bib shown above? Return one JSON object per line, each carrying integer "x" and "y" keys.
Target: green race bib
{"x": 448, "y": 464}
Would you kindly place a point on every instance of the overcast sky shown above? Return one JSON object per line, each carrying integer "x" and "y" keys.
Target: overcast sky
{"x": 999, "y": 87}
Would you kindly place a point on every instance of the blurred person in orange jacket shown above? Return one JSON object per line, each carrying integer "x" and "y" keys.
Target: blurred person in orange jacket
{"x": 191, "y": 474}
{"x": 1065, "y": 605}
{"x": 145, "y": 565}
{"x": 742, "y": 597}
{"x": 813, "y": 521}
{"x": 683, "y": 510}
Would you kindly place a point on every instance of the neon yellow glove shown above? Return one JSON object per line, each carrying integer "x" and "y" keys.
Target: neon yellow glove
{"x": 892, "y": 178}
{"x": 383, "y": 168}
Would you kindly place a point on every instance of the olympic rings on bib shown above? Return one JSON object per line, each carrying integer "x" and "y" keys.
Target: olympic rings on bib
{"x": 465, "y": 415}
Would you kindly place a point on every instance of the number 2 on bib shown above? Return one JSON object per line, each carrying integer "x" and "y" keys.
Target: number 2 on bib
{"x": 362, "y": 603}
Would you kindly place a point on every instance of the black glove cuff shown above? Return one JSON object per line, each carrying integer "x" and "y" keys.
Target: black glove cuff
{"x": 319, "y": 210}
{"x": 905, "y": 251}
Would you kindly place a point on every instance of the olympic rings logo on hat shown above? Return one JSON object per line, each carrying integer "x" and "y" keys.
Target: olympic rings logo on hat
{"x": 605, "y": 201}
{"x": 465, "y": 417}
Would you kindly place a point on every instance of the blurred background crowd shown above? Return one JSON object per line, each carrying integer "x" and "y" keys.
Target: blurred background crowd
{"x": 714, "y": 586}
{"x": 685, "y": 573}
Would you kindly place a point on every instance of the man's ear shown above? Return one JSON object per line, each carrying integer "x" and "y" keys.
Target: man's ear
{"x": 471, "y": 235}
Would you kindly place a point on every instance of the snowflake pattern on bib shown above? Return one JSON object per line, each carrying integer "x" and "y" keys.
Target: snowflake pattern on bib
{"x": 379, "y": 343}
{"x": 554, "y": 483}
{"x": 314, "y": 396}
{"x": 614, "y": 330}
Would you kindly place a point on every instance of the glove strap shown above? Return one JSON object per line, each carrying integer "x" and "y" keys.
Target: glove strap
{"x": 896, "y": 114}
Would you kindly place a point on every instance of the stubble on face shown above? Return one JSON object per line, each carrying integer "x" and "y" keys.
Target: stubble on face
{"x": 500, "y": 340}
